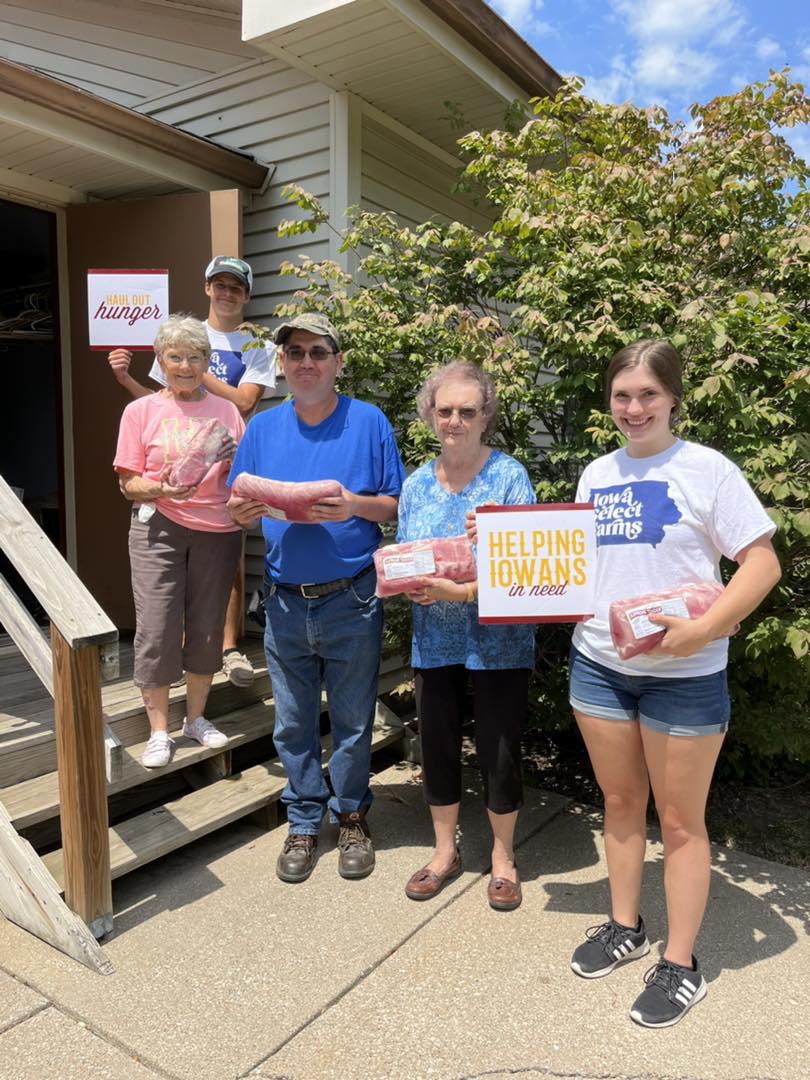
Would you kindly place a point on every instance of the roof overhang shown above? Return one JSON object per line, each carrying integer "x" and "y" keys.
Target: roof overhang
{"x": 478, "y": 24}
{"x": 407, "y": 57}
{"x": 61, "y": 143}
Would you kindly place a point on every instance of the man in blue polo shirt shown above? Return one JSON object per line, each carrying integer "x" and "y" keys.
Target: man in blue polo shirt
{"x": 323, "y": 621}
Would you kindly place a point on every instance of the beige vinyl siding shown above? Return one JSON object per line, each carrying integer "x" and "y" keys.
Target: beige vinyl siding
{"x": 281, "y": 116}
{"x": 407, "y": 179}
{"x": 124, "y": 52}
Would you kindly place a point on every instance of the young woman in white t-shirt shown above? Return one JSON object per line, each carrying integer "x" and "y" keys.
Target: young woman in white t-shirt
{"x": 666, "y": 511}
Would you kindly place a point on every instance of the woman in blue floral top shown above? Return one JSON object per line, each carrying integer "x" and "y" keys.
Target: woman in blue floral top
{"x": 451, "y": 648}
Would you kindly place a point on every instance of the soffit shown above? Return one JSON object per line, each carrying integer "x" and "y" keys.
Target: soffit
{"x": 409, "y": 58}
{"x": 62, "y": 144}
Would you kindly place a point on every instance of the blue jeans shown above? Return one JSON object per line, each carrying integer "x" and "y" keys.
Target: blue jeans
{"x": 335, "y": 638}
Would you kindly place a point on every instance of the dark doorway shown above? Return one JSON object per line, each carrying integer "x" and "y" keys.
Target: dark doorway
{"x": 30, "y": 405}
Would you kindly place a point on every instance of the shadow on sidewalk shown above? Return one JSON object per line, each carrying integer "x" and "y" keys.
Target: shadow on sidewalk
{"x": 399, "y": 819}
{"x": 749, "y": 899}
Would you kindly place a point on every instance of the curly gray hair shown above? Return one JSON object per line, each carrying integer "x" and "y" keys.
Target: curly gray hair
{"x": 182, "y": 330}
{"x": 459, "y": 371}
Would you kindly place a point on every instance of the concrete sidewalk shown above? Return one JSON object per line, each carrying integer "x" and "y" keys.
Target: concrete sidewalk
{"x": 223, "y": 972}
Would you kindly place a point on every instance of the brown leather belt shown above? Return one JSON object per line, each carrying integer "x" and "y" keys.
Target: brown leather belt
{"x": 313, "y": 591}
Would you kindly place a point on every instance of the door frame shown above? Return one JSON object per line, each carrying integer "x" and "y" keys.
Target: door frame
{"x": 63, "y": 384}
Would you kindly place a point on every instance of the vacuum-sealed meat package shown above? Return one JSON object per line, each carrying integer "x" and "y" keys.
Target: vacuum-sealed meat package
{"x": 285, "y": 500}
{"x": 400, "y": 567}
{"x": 630, "y": 626}
{"x": 193, "y": 464}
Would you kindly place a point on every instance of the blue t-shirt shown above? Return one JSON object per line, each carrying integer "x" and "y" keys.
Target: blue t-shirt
{"x": 353, "y": 445}
{"x": 446, "y": 633}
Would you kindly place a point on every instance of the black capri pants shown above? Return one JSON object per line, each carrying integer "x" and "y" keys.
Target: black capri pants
{"x": 500, "y": 704}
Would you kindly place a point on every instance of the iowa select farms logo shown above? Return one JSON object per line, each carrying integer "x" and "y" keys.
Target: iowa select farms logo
{"x": 634, "y": 513}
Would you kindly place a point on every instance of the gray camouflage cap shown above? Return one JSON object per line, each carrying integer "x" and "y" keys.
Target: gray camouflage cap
{"x": 313, "y": 322}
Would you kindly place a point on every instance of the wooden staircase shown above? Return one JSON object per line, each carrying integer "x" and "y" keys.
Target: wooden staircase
{"x": 60, "y": 725}
{"x": 217, "y": 795}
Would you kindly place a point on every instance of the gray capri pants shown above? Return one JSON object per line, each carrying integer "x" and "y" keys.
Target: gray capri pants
{"x": 181, "y": 579}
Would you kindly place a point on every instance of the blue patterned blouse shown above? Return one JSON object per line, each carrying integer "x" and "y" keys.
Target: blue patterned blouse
{"x": 446, "y": 633}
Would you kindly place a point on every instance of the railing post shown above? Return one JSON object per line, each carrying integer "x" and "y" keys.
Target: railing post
{"x": 82, "y": 783}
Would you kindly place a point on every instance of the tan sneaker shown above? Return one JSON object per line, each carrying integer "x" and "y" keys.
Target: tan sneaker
{"x": 238, "y": 668}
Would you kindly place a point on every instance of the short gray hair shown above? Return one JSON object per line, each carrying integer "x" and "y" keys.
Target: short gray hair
{"x": 182, "y": 329}
{"x": 459, "y": 371}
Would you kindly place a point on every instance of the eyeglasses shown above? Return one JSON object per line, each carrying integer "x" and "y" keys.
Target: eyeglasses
{"x": 174, "y": 358}
{"x": 465, "y": 414}
{"x": 317, "y": 352}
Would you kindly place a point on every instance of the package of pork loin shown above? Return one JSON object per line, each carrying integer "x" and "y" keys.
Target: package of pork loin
{"x": 401, "y": 567}
{"x": 192, "y": 465}
{"x": 630, "y": 626}
{"x": 286, "y": 500}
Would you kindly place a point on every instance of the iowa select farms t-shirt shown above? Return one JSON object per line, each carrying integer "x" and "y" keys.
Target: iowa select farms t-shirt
{"x": 663, "y": 521}
{"x": 231, "y": 362}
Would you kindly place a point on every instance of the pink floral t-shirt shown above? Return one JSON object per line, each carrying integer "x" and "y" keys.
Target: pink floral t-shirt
{"x": 155, "y": 430}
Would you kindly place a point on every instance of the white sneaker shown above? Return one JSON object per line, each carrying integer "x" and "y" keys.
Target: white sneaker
{"x": 204, "y": 732}
{"x": 238, "y": 668}
{"x": 158, "y": 751}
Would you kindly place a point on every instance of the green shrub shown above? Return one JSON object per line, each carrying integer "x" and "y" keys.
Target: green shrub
{"x": 611, "y": 223}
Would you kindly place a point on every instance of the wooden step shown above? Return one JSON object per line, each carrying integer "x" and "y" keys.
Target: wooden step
{"x": 27, "y": 747}
{"x": 37, "y": 799}
{"x": 148, "y": 836}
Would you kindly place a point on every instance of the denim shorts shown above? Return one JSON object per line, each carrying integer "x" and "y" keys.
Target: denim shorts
{"x": 691, "y": 706}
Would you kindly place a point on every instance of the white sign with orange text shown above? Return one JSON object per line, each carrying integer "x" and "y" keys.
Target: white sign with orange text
{"x": 536, "y": 563}
{"x": 126, "y": 307}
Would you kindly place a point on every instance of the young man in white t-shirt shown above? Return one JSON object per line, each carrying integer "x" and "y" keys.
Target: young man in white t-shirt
{"x": 242, "y": 376}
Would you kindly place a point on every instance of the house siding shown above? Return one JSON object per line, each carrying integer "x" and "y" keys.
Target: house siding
{"x": 125, "y": 53}
{"x": 399, "y": 176}
{"x": 280, "y": 116}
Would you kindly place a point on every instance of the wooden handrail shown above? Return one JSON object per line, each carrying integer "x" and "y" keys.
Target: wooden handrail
{"x": 68, "y": 603}
{"x": 71, "y": 672}
{"x": 29, "y": 639}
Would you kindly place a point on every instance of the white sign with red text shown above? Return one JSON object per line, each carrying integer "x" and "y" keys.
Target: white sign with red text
{"x": 126, "y": 307}
{"x": 536, "y": 563}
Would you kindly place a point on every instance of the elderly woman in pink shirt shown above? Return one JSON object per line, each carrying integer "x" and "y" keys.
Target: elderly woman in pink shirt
{"x": 183, "y": 544}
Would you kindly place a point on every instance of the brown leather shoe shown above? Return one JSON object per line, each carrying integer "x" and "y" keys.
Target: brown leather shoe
{"x": 297, "y": 859}
{"x": 425, "y": 884}
{"x": 503, "y": 894}
{"x": 355, "y": 850}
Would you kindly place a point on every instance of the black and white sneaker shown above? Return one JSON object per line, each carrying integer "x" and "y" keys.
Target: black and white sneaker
{"x": 671, "y": 991}
{"x": 609, "y": 945}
